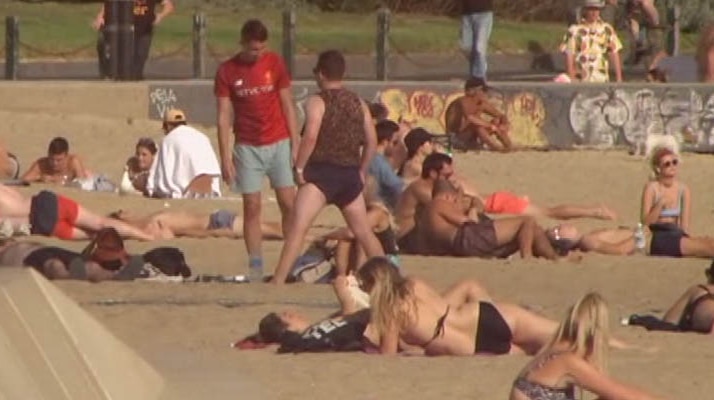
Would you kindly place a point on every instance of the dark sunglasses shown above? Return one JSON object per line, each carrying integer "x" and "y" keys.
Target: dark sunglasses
{"x": 668, "y": 164}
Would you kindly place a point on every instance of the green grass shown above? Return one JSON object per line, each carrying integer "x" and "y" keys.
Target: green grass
{"x": 51, "y": 30}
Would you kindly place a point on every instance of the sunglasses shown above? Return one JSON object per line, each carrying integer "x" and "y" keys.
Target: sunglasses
{"x": 668, "y": 164}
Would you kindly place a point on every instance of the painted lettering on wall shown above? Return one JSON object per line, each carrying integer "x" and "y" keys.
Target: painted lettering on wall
{"x": 163, "y": 99}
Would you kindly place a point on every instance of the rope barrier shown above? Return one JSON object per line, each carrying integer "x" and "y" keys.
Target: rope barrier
{"x": 179, "y": 50}
{"x": 64, "y": 53}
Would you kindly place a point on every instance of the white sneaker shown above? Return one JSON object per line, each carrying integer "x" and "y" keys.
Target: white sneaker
{"x": 359, "y": 296}
{"x": 6, "y": 229}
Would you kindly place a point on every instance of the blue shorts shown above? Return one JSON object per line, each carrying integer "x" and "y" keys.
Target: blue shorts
{"x": 253, "y": 163}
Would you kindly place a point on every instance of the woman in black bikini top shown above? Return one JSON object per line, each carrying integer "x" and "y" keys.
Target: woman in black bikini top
{"x": 461, "y": 321}
{"x": 574, "y": 358}
{"x": 694, "y": 310}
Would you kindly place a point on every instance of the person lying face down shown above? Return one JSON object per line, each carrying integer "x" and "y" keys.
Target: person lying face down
{"x": 462, "y": 321}
{"x": 613, "y": 241}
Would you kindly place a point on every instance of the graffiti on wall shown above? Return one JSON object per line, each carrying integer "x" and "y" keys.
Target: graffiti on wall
{"x": 525, "y": 111}
{"x": 163, "y": 99}
{"x": 627, "y": 117}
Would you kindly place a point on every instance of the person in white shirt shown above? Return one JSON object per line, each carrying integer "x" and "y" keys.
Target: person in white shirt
{"x": 185, "y": 165}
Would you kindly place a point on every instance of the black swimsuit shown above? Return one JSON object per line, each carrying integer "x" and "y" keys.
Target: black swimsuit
{"x": 493, "y": 335}
{"x": 686, "y": 322}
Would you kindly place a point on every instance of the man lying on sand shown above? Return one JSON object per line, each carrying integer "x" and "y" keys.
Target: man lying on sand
{"x": 50, "y": 214}
{"x": 611, "y": 241}
{"x": 445, "y": 230}
{"x": 440, "y": 166}
{"x": 171, "y": 224}
{"x": 58, "y": 263}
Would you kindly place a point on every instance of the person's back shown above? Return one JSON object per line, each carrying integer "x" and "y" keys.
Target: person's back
{"x": 342, "y": 130}
{"x": 436, "y": 326}
{"x": 184, "y": 154}
{"x": 545, "y": 378}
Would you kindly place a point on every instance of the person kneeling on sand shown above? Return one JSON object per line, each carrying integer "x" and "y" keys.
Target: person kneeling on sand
{"x": 171, "y": 224}
{"x": 463, "y": 321}
{"x": 445, "y": 230}
{"x": 611, "y": 241}
{"x": 50, "y": 214}
{"x": 575, "y": 358}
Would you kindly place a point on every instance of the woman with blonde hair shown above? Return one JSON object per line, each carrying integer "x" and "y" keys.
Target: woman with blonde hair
{"x": 408, "y": 313}
{"x": 575, "y": 358}
{"x": 666, "y": 210}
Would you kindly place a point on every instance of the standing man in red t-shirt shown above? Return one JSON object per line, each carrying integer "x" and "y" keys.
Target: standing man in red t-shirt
{"x": 255, "y": 87}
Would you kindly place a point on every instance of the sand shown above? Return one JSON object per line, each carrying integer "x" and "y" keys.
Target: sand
{"x": 184, "y": 330}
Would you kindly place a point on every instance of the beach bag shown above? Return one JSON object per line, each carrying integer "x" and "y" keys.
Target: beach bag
{"x": 169, "y": 260}
{"x": 314, "y": 266}
{"x": 107, "y": 249}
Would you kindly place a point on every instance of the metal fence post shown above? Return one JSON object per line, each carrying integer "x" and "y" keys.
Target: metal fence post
{"x": 289, "y": 22}
{"x": 126, "y": 40}
{"x": 673, "y": 42}
{"x": 383, "y": 20}
{"x": 12, "y": 47}
{"x": 199, "y": 45}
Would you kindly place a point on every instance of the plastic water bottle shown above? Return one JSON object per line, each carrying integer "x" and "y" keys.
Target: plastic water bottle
{"x": 255, "y": 270}
{"x": 640, "y": 241}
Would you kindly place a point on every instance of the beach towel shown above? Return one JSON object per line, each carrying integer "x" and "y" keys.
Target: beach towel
{"x": 184, "y": 154}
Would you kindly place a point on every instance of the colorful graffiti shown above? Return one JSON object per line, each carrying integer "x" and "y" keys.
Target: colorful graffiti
{"x": 627, "y": 117}
{"x": 525, "y": 110}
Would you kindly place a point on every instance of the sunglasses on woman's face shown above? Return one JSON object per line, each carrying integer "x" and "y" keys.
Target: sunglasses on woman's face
{"x": 669, "y": 163}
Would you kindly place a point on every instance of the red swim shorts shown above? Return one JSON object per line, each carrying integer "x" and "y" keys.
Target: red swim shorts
{"x": 67, "y": 210}
{"x": 506, "y": 203}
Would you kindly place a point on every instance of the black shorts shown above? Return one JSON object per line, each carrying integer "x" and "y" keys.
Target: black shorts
{"x": 341, "y": 185}
{"x": 666, "y": 240}
{"x": 39, "y": 257}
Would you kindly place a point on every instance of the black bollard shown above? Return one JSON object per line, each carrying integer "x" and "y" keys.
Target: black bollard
{"x": 383, "y": 20}
{"x": 12, "y": 47}
{"x": 289, "y": 21}
{"x": 126, "y": 40}
{"x": 199, "y": 46}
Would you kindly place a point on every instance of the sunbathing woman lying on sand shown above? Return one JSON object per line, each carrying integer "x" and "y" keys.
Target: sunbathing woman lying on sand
{"x": 692, "y": 312}
{"x": 462, "y": 321}
{"x": 613, "y": 241}
{"x": 171, "y": 224}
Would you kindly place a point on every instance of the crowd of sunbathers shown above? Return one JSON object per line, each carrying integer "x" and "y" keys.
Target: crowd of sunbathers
{"x": 417, "y": 203}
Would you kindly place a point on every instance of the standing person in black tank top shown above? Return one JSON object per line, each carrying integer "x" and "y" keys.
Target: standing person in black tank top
{"x": 338, "y": 144}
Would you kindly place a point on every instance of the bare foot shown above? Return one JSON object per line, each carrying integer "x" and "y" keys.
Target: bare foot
{"x": 606, "y": 213}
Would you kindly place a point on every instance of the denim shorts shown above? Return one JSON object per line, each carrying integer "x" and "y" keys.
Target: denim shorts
{"x": 253, "y": 163}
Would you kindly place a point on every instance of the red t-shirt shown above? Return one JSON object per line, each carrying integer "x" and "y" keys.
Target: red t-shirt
{"x": 254, "y": 89}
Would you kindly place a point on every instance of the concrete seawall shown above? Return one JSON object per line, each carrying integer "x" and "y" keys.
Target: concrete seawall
{"x": 541, "y": 114}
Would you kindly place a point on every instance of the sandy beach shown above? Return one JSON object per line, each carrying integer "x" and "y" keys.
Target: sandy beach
{"x": 184, "y": 330}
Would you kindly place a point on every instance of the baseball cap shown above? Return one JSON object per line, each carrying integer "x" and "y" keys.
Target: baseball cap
{"x": 174, "y": 115}
{"x": 415, "y": 139}
{"x": 594, "y": 3}
{"x": 475, "y": 82}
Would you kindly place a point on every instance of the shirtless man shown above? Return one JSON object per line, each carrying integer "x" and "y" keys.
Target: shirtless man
{"x": 618, "y": 241}
{"x": 171, "y": 224}
{"x": 481, "y": 121}
{"x": 445, "y": 230}
{"x": 419, "y": 144}
{"x": 50, "y": 214}
{"x": 59, "y": 167}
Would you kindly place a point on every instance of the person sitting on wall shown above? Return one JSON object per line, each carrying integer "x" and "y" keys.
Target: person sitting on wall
{"x": 481, "y": 123}
{"x": 137, "y": 168}
{"x": 58, "y": 167}
{"x": 185, "y": 165}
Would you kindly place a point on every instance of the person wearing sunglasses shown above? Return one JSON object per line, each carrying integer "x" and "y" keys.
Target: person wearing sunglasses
{"x": 611, "y": 241}
{"x": 666, "y": 210}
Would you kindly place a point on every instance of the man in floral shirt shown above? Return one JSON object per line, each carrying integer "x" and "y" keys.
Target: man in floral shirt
{"x": 586, "y": 45}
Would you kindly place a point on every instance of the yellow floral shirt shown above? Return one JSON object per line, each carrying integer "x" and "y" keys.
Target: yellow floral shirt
{"x": 590, "y": 45}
